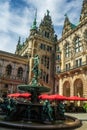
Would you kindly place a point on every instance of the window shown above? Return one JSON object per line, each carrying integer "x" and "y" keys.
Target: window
{"x": 46, "y": 34}
{"x": 67, "y": 50}
{"x": 44, "y": 76}
{"x": 49, "y": 48}
{"x": 8, "y": 70}
{"x": 48, "y": 63}
{"x": 41, "y": 74}
{"x": 42, "y": 60}
{"x": 78, "y": 46}
{"x": 57, "y": 69}
{"x": 43, "y": 46}
{"x": 58, "y": 57}
{"x": 85, "y": 35}
{"x": 68, "y": 66}
{"x": 45, "y": 61}
{"x": 47, "y": 76}
{"x": 79, "y": 62}
{"x": 57, "y": 48}
{"x": 6, "y": 86}
{"x": 20, "y": 72}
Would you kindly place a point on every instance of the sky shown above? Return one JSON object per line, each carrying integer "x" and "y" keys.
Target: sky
{"x": 16, "y": 18}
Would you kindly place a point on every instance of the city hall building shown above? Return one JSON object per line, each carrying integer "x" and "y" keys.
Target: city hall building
{"x": 63, "y": 62}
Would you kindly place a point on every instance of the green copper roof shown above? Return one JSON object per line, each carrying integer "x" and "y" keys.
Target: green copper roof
{"x": 73, "y": 26}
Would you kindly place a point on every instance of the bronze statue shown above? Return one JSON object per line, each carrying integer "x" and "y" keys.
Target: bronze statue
{"x": 47, "y": 111}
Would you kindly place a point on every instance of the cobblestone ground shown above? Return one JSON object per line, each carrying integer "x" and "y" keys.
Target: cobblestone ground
{"x": 84, "y": 126}
{"x": 82, "y": 117}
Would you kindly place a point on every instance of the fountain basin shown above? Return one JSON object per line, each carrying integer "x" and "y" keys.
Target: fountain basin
{"x": 69, "y": 123}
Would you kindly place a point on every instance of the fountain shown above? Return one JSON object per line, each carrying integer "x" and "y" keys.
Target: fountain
{"x": 34, "y": 115}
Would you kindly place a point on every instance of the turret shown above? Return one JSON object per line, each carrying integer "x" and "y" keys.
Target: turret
{"x": 67, "y": 25}
{"x": 34, "y": 28}
{"x": 18, "y": 47}
{"x": 46, "y": 28}
{"x": 83, "y": 14}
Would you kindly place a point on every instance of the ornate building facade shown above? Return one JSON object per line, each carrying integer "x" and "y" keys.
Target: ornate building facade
{"x": 41, "y": 41}
{"x": 71, "y": 57}
{"x": 13, "y": 71}
{"x": 63, "y": 62}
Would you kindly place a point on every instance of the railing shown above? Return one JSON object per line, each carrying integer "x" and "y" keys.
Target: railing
{"x": 12, "y": 77}
{"x": 73, "y": 67}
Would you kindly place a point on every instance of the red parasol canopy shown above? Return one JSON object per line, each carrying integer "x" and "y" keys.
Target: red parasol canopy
{"x": 52, "y": 97}
{"x": 42, "y": 96}
{"x": 76, "y": 98}
{"x": 58, "y": 97}
{"x": 14, "y": 95}
{"x": 24, "y": 95}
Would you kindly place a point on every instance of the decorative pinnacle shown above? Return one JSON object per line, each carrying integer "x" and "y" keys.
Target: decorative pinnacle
{"x": 48, "y": 12}
{"x": 65, "y": 14}
{"x": 34, "y": 22}
{"x": 19, "y": 40}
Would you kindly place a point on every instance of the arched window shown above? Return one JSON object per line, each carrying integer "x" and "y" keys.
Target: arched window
{"x": 8, "y": 70}
{"x": 67, "y": 50}
{"x": 20, "y": 72}
{"x": 77, "y": 44}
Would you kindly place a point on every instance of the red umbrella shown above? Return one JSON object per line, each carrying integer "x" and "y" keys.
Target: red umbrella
{"x": 42, "y": 96}
{"x": 76, "y": 98}
{"x": 25, "y": 95}
{"x": 58, "y": 97}
{"x": 14, "y": 95}
{"x": 53, "y": 97}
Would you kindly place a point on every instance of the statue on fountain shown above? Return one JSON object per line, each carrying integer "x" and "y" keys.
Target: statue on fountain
{"x": 47, "y": 111}
{"x": 35, "y": 71}
{"x": 61, "y": 110}
{"x": 11, "y": 108}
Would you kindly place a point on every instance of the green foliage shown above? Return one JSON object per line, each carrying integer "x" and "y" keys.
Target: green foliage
{"x": 85, "y": 106}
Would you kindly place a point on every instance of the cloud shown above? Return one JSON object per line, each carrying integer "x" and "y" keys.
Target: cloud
{"x": 57, "y": 9}
{"x": 13, "y": 25}
{"x": 16, "y": 17}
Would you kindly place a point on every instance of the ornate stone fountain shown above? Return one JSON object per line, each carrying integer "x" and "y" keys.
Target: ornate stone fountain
{"x": 34, "y": 115}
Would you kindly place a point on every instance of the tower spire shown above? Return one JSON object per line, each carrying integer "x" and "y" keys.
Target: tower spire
{"x": 34, "y": 26}
{"x": 19, "y": 40}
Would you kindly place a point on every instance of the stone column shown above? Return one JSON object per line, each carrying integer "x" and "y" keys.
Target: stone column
{"x": 60, "y": 86}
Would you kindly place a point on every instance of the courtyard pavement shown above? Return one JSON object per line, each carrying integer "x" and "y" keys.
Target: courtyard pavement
{"x": 82, "y": 117}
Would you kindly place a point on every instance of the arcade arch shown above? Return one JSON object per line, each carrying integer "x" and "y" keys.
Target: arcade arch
{"x": 66, "y": 89}
{"x": 78, "y": 88}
